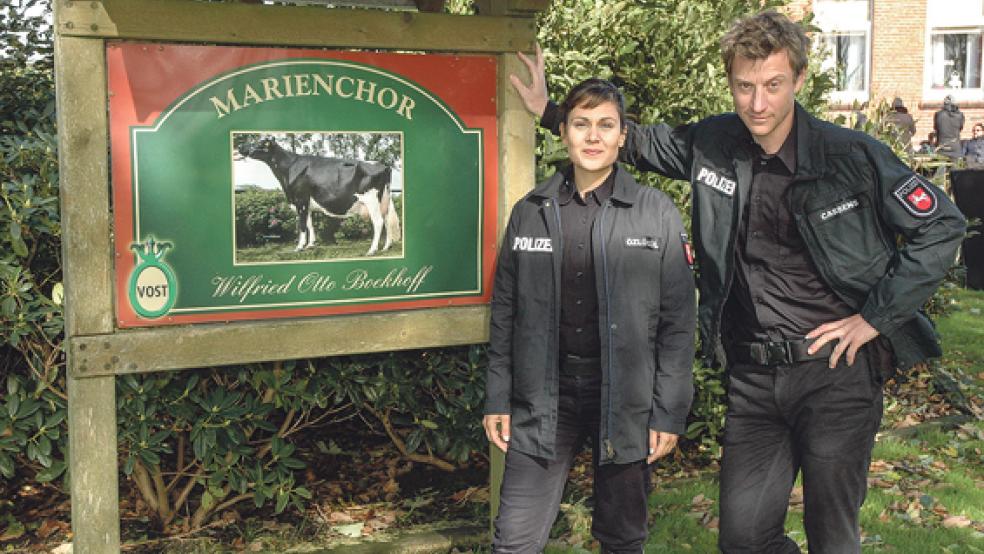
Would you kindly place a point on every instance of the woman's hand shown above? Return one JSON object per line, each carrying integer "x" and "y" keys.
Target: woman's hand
{"x": 660, "y": 444}
{"x": 497, "y": 430}
{"x": 535, "y": 95}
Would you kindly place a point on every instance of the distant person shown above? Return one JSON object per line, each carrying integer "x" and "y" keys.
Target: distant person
{"x": 901, "y": 122}
{"x": 948, "y": 122}
{"x": 929, "y": 145}
{"x": 592, "y": 335}
{"x": 973, "y": 149}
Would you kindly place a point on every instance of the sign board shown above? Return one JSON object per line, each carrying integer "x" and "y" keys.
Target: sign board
{"x": 258, "y": 183}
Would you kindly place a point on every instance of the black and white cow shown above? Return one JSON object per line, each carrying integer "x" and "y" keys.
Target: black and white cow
{"x": 332, "y": 186}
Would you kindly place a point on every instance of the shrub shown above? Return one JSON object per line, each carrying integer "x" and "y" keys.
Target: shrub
{"x": 356, "y": 227}
{"x": 263, "y": 215}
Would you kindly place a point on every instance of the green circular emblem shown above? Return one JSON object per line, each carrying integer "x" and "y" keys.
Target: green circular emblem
{"x": 153, "y": 287}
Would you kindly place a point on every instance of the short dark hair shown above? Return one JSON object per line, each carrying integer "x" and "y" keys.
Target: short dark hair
{"x": 591, "y": 93}
{"x": 758, "y": 36}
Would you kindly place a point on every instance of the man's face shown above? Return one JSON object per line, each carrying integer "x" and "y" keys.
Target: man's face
{"x": 764, "y": 92}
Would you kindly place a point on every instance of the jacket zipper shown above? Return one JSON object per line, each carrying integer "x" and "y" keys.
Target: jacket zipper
{"x": 607, "y": 441}
{"x": 559, "y": 251}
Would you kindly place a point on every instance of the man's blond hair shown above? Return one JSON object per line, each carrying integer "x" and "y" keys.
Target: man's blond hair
{"x": 758, "y": 36}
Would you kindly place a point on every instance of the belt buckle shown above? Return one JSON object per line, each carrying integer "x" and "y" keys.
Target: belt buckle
{"x": 777, "y": 353}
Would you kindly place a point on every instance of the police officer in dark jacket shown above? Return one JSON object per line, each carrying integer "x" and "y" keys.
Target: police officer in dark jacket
{"x": 802, "y": 281}
{"x": 592, "y": 335}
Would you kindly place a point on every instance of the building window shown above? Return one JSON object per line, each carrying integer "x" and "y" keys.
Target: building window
{"x": 845, "y": 40}
{"x": 847, "y": 57}
{"x": 954, "y": 50}
{"x": 955, "y": 59}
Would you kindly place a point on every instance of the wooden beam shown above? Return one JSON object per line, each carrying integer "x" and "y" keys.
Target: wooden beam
{"x": 511, "y": 7}
{"x": 178, "y": 347}
{"x": 517, "y": 164}
{"x": 80, "y": 89}
{"x": 237, "y": 23}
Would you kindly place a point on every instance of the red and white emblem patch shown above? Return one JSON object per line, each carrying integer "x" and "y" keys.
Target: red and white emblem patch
{"x": 917, "y": 197}
{"x": 688, "y": 252}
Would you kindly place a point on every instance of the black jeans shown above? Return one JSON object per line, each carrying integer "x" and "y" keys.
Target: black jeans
{"x": 532, "y": 487}
{"x": 801, "y": 417}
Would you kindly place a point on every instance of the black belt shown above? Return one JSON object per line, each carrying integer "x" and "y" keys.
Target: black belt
{"x": 778, "y": 352}
{"x": 579, "y": 365}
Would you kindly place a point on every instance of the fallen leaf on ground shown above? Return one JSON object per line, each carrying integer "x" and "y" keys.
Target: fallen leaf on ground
{"x": 957, "y": 521}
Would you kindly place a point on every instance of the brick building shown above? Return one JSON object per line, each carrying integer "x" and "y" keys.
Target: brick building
{"x": 918, "y": 50}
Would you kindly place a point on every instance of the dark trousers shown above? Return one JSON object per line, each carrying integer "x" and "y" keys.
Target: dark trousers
{"x": 532, "y": 487}
{"x": 801, "y": 417}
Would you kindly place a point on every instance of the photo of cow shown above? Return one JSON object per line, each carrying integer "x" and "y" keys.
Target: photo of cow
{"x": 317, "y": 196}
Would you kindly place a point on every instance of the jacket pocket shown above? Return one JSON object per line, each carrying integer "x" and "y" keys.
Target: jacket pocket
{"x": 850, "y": 240}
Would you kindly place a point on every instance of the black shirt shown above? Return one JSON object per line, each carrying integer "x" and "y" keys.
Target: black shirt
{"x": 777, "y": 293}
{"x": 579, "y": 333}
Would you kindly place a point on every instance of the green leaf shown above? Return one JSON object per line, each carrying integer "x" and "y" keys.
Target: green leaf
{"x": 6, "y": 466}
{"x": 51, "y": 473}
{"x": 428, "y": 424}
{"x": 57, "y": 293}
{"x": 282, "y": 499}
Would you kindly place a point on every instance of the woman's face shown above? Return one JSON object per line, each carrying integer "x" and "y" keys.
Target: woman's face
{"x": 978, "y": 131}
{"x": 593, "y": 136}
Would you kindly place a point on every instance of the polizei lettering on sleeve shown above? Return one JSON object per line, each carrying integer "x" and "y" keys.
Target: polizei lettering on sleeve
{"x": 715, "y": 181}
{"x": 839, "y": 209}
{"x": 312, "y": 84}
{"x": 532, "y": 244}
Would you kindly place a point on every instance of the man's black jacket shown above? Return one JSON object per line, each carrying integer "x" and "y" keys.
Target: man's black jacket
{"x": 880, "y": 236}
{"x": 646, "y": 320}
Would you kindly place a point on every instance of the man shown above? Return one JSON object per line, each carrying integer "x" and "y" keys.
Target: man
{"x": 973, "y": 149}
{"x": 901, "y": 122}
{"x": 948, "y": 122}
{"x": 796, "y": 223}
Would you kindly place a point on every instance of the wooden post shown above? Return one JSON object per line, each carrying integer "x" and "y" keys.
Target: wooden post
{"x": 517, "y": 176}
{"x": 80, "y": 79}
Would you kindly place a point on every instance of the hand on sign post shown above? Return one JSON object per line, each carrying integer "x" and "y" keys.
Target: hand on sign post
{"x": 497, "y": 430}
{"x": 851, "y": 333}
{"x": 535, "y": 95}
{"x": 660, "y": 444}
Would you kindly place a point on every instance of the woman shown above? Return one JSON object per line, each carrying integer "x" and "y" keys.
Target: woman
{"x": 591, "y": 335}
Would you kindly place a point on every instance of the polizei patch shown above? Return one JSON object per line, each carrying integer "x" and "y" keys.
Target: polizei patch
{"x": 715, "y": 181}
{"x": 843, "y": 207}
{"x": 532, "y": 244}
{"x": 917, "y": 197}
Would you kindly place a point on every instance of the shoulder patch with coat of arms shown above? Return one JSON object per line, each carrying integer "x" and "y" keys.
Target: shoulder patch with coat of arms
{"x": 916, "y": 196}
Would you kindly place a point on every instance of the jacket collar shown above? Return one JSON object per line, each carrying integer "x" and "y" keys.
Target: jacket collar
{"x": 809, "y": 143}
{"x": 624, "y": 190}
{"x": 810, "y": 147}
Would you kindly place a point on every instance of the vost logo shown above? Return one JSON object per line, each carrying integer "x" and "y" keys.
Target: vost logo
{"x": 152, "y": 283}
{"x": 532, "y": 244}
{"x": 715, "y": 181}
{"x": 839, "y": 209}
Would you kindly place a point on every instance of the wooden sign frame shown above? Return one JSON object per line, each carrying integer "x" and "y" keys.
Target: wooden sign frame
{"x": 97, "y": 349}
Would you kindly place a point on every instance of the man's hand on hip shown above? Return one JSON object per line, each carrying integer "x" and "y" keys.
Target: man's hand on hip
{"x": 497, "y": 430}
{"x": 535, "y": 95}
{"x": 851, "y": 334}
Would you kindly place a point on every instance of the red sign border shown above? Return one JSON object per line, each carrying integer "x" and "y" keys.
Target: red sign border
{"x": 139, "y": 91}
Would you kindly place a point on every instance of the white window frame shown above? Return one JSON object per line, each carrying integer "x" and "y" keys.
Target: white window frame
{"x": 948, "y": 17}
{"x": 840, "y": 26}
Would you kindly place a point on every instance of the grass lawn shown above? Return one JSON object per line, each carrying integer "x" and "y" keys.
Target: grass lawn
{"x": 344, "y": 249}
